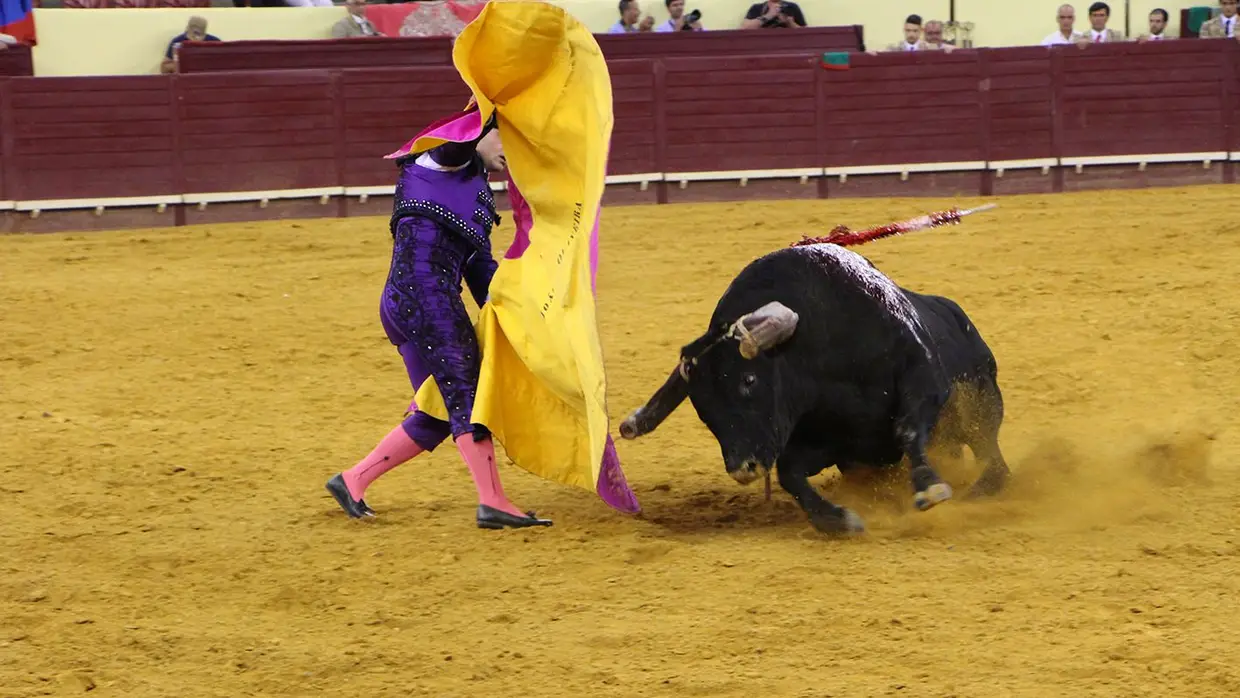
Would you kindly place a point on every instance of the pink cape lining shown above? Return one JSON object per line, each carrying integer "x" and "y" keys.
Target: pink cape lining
{"x": 612, "y": 486}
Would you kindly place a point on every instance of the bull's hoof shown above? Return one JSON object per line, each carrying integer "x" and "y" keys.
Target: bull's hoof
{"x": 844, "y": 523}
{"x": 932, "y": 496}
{"x": 988, "y": 485}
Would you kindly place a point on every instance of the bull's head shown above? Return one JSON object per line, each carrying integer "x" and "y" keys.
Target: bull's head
{"x": 738, "y": 390}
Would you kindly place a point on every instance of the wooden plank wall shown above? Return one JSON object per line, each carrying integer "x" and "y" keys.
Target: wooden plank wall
{"x": 1017, "y": 87}
{"x": 274, "y": 130}
{"x": 314, "y": 54}
{"x": 216, "y": 56}
{"x": 382, "y": 109}
{"x": 83, "y": 138}
{"x": 16, "y": 61}
{"x": 741, "y": 113}
{"x": 1231, "y": 97}
{"x": 891, "y": 108}
{"x": 75, "y": 138}
{"x": 1137, "y": 100}
{"x": 634, "y": 133}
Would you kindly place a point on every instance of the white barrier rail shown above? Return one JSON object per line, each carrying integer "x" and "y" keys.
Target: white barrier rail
{"x": 682, "y": 179}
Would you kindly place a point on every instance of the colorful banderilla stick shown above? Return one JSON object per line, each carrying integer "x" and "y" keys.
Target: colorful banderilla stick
{"x": 844, "y": 237}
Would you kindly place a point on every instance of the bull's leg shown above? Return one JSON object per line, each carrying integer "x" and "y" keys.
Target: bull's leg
{"x": 793, "y": 471}
{"x": 984, "y": 442}
{"x": 919, "y": 410}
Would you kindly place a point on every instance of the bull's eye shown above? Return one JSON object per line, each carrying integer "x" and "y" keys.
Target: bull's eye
{"x": 748, "y": 381}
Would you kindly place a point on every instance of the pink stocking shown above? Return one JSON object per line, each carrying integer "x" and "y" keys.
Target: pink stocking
{"x": 394, "y": 449}
{"x": 480, "y": 457}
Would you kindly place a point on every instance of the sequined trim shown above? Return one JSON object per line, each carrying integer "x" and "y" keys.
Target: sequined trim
{"x": 446, "y": 218}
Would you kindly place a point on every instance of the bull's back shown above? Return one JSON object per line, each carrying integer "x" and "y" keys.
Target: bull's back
{"x": 959, "y": 345}
{"x": 846, "y": 331}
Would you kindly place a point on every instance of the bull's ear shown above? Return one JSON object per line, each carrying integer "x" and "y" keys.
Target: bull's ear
{"x": 766, "y": 327}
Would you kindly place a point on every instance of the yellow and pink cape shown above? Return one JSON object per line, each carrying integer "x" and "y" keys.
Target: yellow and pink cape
{"x": 542, "y": 388}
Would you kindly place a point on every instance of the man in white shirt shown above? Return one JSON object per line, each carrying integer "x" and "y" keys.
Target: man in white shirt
{"x": 356, "y": 23}
{"x": 1158, "y": 27}
{"x": 1066, "y": 34}
{"x": 629, "y": 12}
{"x": 1223, "y": 26}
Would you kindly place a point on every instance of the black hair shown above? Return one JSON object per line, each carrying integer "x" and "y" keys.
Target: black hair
{"x": 1100, "y": 7}
{"x": 624, "y": 5}
{"x": 1161, "y": 11}
{"x": 913, "y": 19}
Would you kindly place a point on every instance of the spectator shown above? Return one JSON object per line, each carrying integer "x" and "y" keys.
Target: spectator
{"x": 7, "y": 41}
{"x": 933, "y": 37}
{"x": 1066, "y": 34}
{"x": 629, "y": 12}
{"x": 676, "y": 11}
{"x": 1158, "y": 27}
{"x": 355, "y": 24}
{"x": 195, "y": 30}
{"x": 912, "y": 36}
{"x": 773, "y": 14}
{"x": 1224, "y": 25}
{"x": 1099, "y": 15}
{"x": 308, "y": 3}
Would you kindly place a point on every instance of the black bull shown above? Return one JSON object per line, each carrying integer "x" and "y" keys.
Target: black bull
{"x": 814, "y": 358}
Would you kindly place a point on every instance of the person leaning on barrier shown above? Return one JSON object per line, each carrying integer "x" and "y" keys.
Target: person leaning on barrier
{"x": 1099, "y": 15}
{"x": 356, "y": 23}
{"x": 933, "y": 37}
{"x": 912, "y": 36}
{"x": 774, "y": 14}
{"x": 629, "y": 12}
{"x": 1066, "y": 17}
{"x": 679, "y": 21}
{"x": 1225, "y": 25}
{"x": 195, "y": 30}
{"x": 1158, "y": 27}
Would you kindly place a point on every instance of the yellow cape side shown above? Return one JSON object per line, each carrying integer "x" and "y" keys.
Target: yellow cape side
{"x": 542, "y": 387}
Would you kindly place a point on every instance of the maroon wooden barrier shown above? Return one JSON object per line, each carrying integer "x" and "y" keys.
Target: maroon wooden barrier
{"x": 16, "y": 61}
{"x": 75, "y": 138}
{"x": 8, "y": 135}
{"x": 633, "y": 144}
{"x": 921, "y": 110}
{"x": 274, "y": 130}
{"x": 382, "y": 109}
{"x": 741, "y": 113}
{"x": 1133, "y": 100}
{"x": 809, "y": 41}
{"x": 304, "y": 54}
{"x": 678, "y": 120}
{"x": 1018, "y": 96}
{"x": 1231, "y": 98}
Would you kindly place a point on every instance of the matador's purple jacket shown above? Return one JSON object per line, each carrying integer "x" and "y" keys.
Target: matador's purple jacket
{"x": 441, "y": 225}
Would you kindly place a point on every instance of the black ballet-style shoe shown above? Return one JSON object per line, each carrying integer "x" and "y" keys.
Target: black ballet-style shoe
{"x": 354, "y": 508}
{"x": 494, "y": 519}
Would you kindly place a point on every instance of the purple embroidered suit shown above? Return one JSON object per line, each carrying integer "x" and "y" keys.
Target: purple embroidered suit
{"x": 441, "y": 229}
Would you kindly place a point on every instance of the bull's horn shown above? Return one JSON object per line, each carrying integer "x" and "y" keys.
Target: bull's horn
{"x": 665, "y": 400}
{"x": 765, "y": 327}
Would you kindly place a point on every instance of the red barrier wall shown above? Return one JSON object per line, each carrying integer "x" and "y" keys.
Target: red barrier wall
{"x": 218, "y": 56}
{"x": 971, "y": 122}
{"x": 16, "y": 61}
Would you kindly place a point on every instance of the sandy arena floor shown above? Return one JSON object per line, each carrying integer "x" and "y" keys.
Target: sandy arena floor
{"x": 172, "y": 401}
